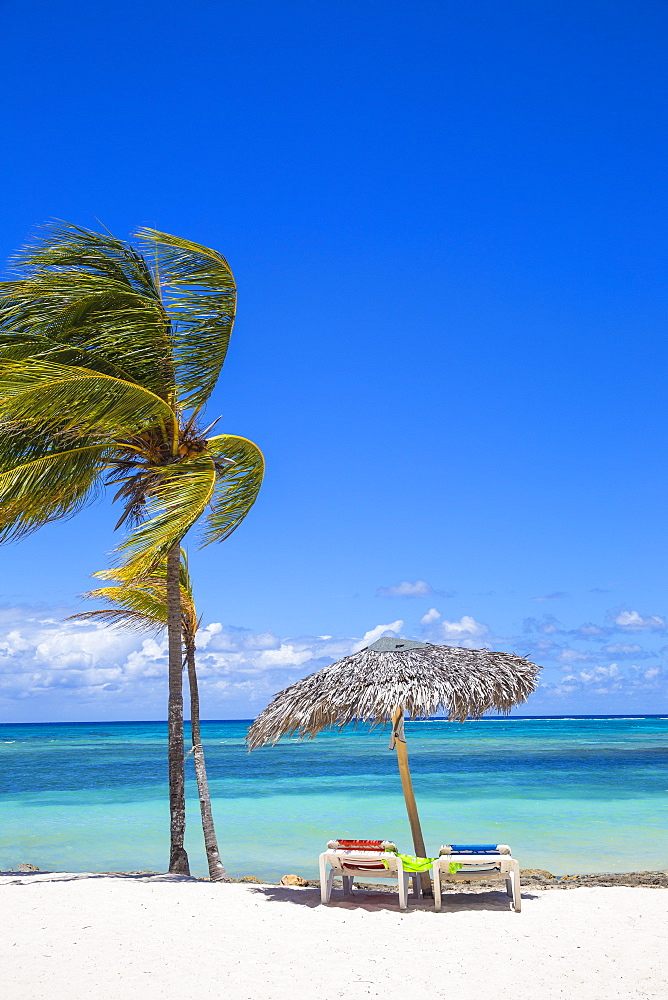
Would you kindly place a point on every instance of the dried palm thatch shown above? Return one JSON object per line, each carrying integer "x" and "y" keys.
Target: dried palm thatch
{"x": 422, "y": 678}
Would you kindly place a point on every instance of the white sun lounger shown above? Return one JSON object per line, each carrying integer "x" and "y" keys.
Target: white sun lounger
{"x": 478, "y": 861}
{"x": 369, "y": 859}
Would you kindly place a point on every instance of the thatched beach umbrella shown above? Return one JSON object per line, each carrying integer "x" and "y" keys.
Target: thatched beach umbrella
{"x": 382, "y": 682}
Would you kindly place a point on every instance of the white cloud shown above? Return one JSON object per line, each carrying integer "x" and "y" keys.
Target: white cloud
{"x": 589, "y": 631}
{"x": 465, "y": 632}
{"x": 626, "y": 650}
{"x": 557, "y": 595}
{"x": 405, "y": 589}
{"x": 57, "y": 669}
{"x": 466, "y": 626}
{"x": 612, "y": 681}
{"x": 547, "y": 625}
{"x": 394, "y": 628}
{"x": 572, "y": 655}
{"x": 620, "y": 621}
{"x": 635, "y": 622}
{"x": 108, "y": 672}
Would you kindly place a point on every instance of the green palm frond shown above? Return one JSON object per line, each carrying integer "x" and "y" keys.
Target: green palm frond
{"x": 140, "y": 602}
{"x": 21, "y": 443}
{"x": 236, "y": 489}
{"x": 119, "y": 331}
{"x": 199, "y": 293}
{"x": 100, "y": 353}
{"x": 45, "y": 489}
{"x": 66, "y": 247}
{"x": 64, "y": 398}
{"x": 133, "y": 620}
{"x": 95, "y": 294}
{"x": 155, "y": 579}
{"x": 180, "y": 499}
{"x": 21, "y": 347}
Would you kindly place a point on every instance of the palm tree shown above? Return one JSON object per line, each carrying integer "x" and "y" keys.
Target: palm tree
{"x": 141, "y": 604}
{"x": 107, "y": 359}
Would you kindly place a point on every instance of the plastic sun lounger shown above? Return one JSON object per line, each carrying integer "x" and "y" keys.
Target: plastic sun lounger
{"x": 478, "y": 861}
{"x": 351, "y": 859}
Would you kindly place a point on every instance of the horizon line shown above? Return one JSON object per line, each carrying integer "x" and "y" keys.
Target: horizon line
{"x": 435, "y": 718}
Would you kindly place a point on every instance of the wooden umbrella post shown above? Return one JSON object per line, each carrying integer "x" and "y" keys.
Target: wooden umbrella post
{"x": 409, "y": 797}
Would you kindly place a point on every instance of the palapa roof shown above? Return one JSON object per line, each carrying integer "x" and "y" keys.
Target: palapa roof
{"x": 370, "y": 685}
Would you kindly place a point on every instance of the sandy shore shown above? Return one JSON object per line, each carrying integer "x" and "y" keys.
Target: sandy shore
{"x": 76, "y": 937}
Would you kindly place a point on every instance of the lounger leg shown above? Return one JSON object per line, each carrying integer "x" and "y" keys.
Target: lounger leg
{"x": 325, "y": 884}
{"x": 330, "y": 883}
{"x": 509, "y": 887}
{"x": 402, "y": 880}
{"x": 417, "y": 885}
{"x": 347, "y": 884}
{"x": 436, "y": 879}
{"x": 517, "y": 889}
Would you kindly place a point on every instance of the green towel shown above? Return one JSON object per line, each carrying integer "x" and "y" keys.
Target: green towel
{"x": 413, "y": 864}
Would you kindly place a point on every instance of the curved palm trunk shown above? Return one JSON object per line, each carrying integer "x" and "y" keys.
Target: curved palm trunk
{"x": 216, "y": 867}
{"x": 178, "y": 859}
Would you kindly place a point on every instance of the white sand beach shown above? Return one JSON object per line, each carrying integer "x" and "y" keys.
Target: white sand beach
{"x": 111, "y": 937}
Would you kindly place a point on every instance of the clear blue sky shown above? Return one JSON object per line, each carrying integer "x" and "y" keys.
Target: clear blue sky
{"x": 448, "y": 226}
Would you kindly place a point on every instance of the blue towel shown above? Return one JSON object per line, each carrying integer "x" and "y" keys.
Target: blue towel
{"x": 474, "y": 848}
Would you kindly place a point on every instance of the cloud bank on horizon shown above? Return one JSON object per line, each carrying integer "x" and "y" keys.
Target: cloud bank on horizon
{"x": 51, "y": 669}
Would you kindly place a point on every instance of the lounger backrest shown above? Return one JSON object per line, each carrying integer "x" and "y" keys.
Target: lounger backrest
{"x": 484, "y": 849}
{"x": 361, "y": 845}
{"x": 351, "y": 862}
{"x": 378, "y": 857}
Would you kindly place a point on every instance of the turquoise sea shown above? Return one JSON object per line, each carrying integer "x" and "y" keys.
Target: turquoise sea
{"x": 568, "y": 794}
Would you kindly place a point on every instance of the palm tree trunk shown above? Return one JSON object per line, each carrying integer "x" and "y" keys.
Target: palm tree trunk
{"x": 178, "y": 859}
{"x": 216, "y": 867}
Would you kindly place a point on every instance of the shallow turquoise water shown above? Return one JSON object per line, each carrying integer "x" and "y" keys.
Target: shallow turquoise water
{"x": 569, "y": 795}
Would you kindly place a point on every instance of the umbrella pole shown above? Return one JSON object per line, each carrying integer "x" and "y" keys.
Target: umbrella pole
{"x": 409, "y": 797}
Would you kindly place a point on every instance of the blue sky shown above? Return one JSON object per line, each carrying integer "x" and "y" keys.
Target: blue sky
{"x": 447, "y": 223}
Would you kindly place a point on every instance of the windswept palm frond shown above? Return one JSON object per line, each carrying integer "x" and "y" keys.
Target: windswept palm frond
{"x": 49, "y": 488}
{"x": 21, "y": 347}
{"x": 135, "y": 621}
{"x": 143, "y": 595}
{"x": 126, "y": 575}
{"x": 64, "y": 398}
{"x": 89, "y": 293}
{"x": 182, "y": 495}
{"x": 141, "y": 598}
{"x": 199, "y": 292}
{"x": 236, "y": 488}
{"x": 67, "y": 248}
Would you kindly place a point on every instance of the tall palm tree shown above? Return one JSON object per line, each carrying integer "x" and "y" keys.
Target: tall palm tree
{"x": 107, "y": 359}
{"x": 141, "y": 604}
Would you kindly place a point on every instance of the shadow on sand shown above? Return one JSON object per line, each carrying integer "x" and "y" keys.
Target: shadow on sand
{"x": 27, "y": 878}
{"x": 375, "y": 901}
{"x": 370, "y": 900}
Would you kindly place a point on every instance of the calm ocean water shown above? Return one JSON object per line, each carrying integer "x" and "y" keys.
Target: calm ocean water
{"x": 569, "y": 795}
